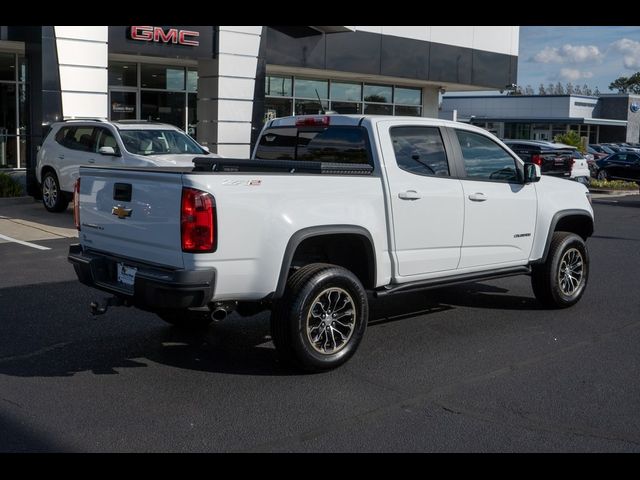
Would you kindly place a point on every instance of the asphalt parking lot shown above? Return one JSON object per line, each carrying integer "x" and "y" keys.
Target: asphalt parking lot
{"x": 474, "y": 368}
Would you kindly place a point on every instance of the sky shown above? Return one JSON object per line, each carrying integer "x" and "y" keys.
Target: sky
{"x": 592, "y": 55}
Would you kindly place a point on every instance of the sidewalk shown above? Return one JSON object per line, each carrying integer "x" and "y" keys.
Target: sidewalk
{"x": 26, "y": 220}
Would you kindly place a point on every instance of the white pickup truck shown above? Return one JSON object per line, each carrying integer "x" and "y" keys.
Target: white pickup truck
{"x": 327, "y": 210}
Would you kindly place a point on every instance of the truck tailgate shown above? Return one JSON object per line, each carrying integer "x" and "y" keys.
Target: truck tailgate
{"x": 132, "y": 213}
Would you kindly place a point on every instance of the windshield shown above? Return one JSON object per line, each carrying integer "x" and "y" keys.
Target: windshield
{"x": 607, "y": 149}
{"x": 159, "y": 142}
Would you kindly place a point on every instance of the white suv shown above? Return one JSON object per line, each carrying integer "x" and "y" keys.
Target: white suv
{"x": 73, "y": 143}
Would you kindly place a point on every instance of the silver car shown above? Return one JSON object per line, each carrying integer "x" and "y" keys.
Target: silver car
{"x": 75, "y": 143}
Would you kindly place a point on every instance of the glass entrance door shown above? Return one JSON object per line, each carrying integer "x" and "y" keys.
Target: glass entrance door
{"x": 123, "y": 105}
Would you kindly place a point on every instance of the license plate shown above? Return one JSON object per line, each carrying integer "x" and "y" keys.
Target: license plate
{"x": 126, "y": 274}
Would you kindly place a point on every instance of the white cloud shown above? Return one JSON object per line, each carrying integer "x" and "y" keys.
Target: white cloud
{"x": 630, "y": 49}
{"x": 573, "y": 74}
{"x": 568, "y": 54}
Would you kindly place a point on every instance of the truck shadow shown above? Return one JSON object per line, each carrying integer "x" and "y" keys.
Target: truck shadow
{"x": 68, "y": 340}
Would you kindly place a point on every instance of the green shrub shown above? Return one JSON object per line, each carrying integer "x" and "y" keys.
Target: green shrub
{"x": 9, "y": 187}
{"x": 613, "y": 184}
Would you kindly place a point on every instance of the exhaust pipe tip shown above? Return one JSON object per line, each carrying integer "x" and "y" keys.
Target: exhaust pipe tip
{"x": 219, "y": 314}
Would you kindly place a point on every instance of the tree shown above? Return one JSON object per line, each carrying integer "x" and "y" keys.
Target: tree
{"x": 586, "y": 90}
{"x": 541, "y": 90}
{"x": 577, "y": 90}
{"x": 621, "y": 84}
{"x": 550, "y": 89}
{"x": 596, "y": 92}
{"x": 569, "y": 88}
{"x": 626, "y": 84}
{"x": 558, "y": 89}
{"x": 570, "y": 138}
{"x": 528, "y": 90}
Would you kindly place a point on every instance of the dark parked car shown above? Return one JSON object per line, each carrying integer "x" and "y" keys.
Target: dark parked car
{"x": 599, "y": 151}
{"x": 553, "y": 158}
{"x": 619, "y": 166}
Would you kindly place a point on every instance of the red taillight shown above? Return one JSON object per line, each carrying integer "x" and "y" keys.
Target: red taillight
{"x": 197, "y": 221}
{"x": 76, "y": 203}
{"x": 537, "y": 160}
{"x": 320, "y": 121}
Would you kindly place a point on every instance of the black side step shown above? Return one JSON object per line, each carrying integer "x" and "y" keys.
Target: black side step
{"x": 452, "y": 280}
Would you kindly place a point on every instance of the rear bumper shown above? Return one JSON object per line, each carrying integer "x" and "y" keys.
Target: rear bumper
{"x": 153, "y": 288}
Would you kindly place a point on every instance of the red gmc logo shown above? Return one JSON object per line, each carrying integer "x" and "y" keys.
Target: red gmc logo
{"x": 158, "y": 34}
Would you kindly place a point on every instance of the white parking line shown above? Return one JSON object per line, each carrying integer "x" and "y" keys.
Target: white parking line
{"x": 28, "y": 244}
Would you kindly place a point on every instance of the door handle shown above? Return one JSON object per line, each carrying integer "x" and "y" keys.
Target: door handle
{"x": 92, "y": 160}
{"x": 61, "y": 157}
{"x": 477, "y": 197}
{"x": 409, "y": 195}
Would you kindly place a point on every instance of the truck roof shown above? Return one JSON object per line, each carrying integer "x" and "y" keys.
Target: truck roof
{"x": 355, "y": 120}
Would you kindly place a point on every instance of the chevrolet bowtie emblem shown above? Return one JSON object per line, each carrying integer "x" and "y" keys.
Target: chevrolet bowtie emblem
{"x": 121, "y": 212}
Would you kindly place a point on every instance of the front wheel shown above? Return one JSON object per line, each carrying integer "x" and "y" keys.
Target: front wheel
{"x": 560, "y": 281}
{"x": 53, "y": 199}
{"x": 603, "y": 175}
{"x": 321, "y": 319}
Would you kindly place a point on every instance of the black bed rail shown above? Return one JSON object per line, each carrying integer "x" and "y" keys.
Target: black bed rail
{"x": 204, "y": 164}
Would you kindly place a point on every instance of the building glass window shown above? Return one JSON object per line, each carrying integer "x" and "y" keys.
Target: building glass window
{"x": 164, "y": 107}
{"x": 142, "y": 91}
{"x": 192, "y": 80}
{"x": 378, "y": 93}
{"x": 277, "y": 107}
{"x": 287, "y": 95}
{"x": 306, "y": 88}
{"x": 277, "y": 86}
{"x": 161, "y": 77}
{"x": 13, "y": 115}
{"x": 123, "y": 74}
{"x": 408, "y": 96}
{"x": 7, "y": 66}
{"x": 123, "y": 105}
{"x": 347, "y": 92}
{"x": 408, "y": 111}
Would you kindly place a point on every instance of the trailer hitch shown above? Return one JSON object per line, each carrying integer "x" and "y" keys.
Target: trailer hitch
{"x": 97, "y": 309}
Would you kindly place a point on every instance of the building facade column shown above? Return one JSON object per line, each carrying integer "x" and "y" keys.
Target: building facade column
{"x": 227, "y": 88}
{"x": 83, "y": 53}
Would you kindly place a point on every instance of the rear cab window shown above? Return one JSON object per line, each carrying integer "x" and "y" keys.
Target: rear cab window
{"x": 334, "y": 144}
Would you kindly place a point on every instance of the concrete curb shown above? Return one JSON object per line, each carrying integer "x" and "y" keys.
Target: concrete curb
{"x": 620, "y": 193}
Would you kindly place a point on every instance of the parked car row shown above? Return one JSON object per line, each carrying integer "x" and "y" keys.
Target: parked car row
{"x": 602, "y": 161}
{"x": 555, "y": 159}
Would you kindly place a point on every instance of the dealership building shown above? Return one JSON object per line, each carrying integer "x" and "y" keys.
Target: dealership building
{"x": 606, "y": 118}
{"x": 220, "y": 83}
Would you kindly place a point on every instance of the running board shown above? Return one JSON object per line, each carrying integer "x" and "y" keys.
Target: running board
{"x": 452, "y": 280}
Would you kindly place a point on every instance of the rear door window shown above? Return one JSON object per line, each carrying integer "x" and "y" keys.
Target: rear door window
{"x": 420, "y": 150}
{"x": 76, "y": 138}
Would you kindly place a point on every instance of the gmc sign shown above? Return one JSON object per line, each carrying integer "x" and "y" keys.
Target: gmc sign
{"x": 159, "y": 35}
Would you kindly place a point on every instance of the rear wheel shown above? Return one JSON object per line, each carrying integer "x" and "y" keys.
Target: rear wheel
{"x": 186, "y": 319}
{"x": 53, "y": 199}
{"x": 321, "y": 319}
{"x": 560, "y": 282}
{"x": 603, "y": 175}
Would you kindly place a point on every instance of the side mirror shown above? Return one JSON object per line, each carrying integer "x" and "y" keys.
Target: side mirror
{"x": 107, "y": 151}
{"x": 531, "y": 173}
{"x": 206, "y": 149}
